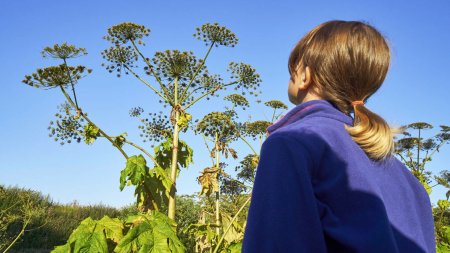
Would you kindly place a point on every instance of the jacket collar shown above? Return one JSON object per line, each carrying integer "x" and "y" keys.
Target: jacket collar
{"x": 311, "y": 108}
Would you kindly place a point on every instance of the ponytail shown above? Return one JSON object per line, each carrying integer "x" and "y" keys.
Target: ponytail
{"x": 372, "y": 133}
{"x": 349, "y": 60}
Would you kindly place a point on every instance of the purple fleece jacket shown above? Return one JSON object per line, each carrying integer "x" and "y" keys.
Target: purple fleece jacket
{"x": 316, "y": 191}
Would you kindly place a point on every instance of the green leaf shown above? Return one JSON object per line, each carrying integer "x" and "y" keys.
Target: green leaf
{"x": 150, "y": 233}
{"x": 152, "y": 186}
{"x": 235, "y": 247}
{"x": 113, "y": 228}
{"x": 163, "y": 155}
{"x": 62, "y": 249}
{"x": 92, "y": 236}
{"x": 119, "y": 140}
{"x": 94, "y": 242}
{"x": 135, "y": 171}
{"x": 235, "y": 233}
{"x": 91, "y": 132}
{"x": 443, "y": 204}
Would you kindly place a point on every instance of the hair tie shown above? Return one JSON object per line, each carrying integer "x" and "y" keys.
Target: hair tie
{"x": 358, "y": 102}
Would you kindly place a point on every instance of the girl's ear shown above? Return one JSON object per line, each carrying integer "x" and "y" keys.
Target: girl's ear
{"x": 305, "y": 79}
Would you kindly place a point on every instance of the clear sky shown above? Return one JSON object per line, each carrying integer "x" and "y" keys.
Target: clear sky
{"x": 416, "y": 88}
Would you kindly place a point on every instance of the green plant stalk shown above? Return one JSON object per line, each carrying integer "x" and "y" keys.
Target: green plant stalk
{"x": 172, "y": 194}
{"x": 273, "y": 115}
{"x": 231, "y": 223}
{"x": 144, "y": 151}
{"x": 217, "y": 193}
{"x": 418, "y": 150}
{"x": 88, "y": 120}
{"x": 166, "y": 92}
{"x": 73, "y": 87}
{"x": 149, "y": 85}
{"x": 182, "y": 98}
{"x": 207, "y": 147}
{"x": 251, "y": 147}
{"x": 25, "y": 224}
{"x": 209, "y": 92}
{"x": 437, "y": 148}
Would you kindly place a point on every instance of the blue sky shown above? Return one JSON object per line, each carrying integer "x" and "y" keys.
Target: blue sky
{"x": 416, "y": 88}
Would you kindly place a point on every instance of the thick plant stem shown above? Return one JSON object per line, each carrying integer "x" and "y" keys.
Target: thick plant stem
{"x": 217, "y": 193}
{"x": 231, "y": 223}
{"x": 173, "y": 175}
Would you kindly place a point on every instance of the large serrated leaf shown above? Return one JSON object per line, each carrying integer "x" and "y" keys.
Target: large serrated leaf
{"x": 150, "y": 233}
{"x": 163, "y": 155}
{"x": 113, "y": 228}
{"x": 92, "y": 236}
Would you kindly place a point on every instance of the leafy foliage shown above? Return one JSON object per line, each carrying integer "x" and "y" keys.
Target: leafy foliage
{"x": 163, "y": 155}
{"x": 152, "y": 186}
{"x": 150, "y": 233}
{"x": 91, "y": 132}
{"x": 209, "y": 181}
{"x": 93, "y": 236}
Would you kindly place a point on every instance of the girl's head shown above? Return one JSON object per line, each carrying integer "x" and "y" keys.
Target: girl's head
{"x": 342, "y": 62}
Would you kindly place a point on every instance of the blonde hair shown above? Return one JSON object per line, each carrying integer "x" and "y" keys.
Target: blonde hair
{"x": 349, "y": 61}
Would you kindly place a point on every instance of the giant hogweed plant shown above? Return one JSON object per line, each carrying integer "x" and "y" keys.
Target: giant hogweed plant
{"x": 181, "y": 80}
{"x": 223, "y": 230}
{"x": 416, "y": 152}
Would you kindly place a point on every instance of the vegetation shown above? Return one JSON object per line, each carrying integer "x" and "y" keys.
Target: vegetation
{"x": 181, "y": 80}
{"x": 416, "y": 152}
{"x": 213, "y": 221}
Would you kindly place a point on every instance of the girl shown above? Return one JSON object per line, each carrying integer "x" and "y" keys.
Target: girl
{"x": 327, "y": 182}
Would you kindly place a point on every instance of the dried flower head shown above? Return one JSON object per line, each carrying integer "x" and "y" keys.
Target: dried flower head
{"x": 247, "y": 168}
{"x": 63, "y": 51}
{"x": 214, "y": 33}
{"x": 420, "y": 125}
{"x": 247, "y": 77}
{"x": 210, "y": 83}
{"x": 155, "y": 128}
{"x": 120, "y": 58}
{"x": 217, "y": 122}
{"x": 276, "y": 104}
{"x": 230, "y": 186}
{"x": 406, "y": 144}
{"x": 136, "y": 111}
{"x": 256, "y": 128}
{"x": 124, "y": 32}
{"x": 171, "y": 64}
{"x": 237, "y": 100}
{"x": 67, "y": 126}
{"x": 55, "y": 76}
